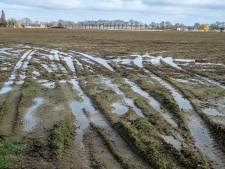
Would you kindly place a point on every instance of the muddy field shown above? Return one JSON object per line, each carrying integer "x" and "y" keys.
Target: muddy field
{"x": 196, "y": 45}
{"x": 78, "y": 109}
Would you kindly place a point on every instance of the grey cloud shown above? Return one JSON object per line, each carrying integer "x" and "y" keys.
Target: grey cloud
{"x": 119, "y": 4}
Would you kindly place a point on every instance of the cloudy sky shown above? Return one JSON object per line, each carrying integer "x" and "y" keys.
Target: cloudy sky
{"x": 188, "y": 11}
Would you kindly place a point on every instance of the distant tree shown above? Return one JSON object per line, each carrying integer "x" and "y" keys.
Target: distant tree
{"x": 197, "y": 26}
{"x": 37, "y": 23}
{"x": 145, "y": 26}
{"x": 11, "y": 23}
{"x": 3, "y": 22}
{"x": 179, "y": 25}
{"x": 26, "y": 21}
{"x": 214, "y": 26}
{"x": 217, "y": 26}
{"x": 168, "y": 25}
{"x": 154, "y": 25}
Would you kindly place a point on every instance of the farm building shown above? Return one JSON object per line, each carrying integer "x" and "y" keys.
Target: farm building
{"x": 33, "y": 26}
{"x": 57, "y": 26}
{"x": 205, "y": 27}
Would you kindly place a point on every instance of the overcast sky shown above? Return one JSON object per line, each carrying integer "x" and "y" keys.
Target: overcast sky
{"x": 188, "y": 11}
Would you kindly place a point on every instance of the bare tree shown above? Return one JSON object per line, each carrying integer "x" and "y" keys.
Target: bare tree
{"x": 3, "y": 22}
{"x": 26, "y": 21}
{"x": 197, "y": 26}
{"x": 11, "y": 23}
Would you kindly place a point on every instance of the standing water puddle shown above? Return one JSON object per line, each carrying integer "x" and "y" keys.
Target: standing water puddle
{"x": 129, "y": 102}
{"x": 167, "y": 60}
{"x": 212, "y": 112}
{"x": 21, "y": 64}
{"x": 152, "y": 102}
{"x": 139, "y": 61}
{"x": 170, "y": 62}
{"x": 47, "y": 68}
{"x": 181, "y": 101}
{"x": 199, "y": 131}
{"x": 5, "y": 89}
{"x": 119, "y": 108}
{"x": 84, "y": 111}
{"x": 171, "y": 140}
{"x": 212, "y": 82}
{"x": 98, "y": 60}
{"x": 30, "y": 120}
{"x": 55, "y": 55}
{"x": 77, "y": 109}
{"x": 69, "y": 62}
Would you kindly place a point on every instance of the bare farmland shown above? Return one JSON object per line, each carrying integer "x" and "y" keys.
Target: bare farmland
{"x": 61, "y": 107}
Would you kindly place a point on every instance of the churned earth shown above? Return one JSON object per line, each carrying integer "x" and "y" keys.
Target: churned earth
{"x": 64, "y": 108}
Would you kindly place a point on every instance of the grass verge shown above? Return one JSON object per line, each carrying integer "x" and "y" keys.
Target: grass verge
{"x": 9, "y": 150}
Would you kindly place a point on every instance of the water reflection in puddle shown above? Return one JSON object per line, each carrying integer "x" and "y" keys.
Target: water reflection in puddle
{"x": 30, "y": 120}
{"x": 5, "y": 90}
{"x": 98, "y": 60}
{"x": 119, "y": 109}
{"x": 212, "y": 112}
{"x": 77, "y": 109}
{"x": 199, "y": 131}
{"x": 180, "y": 100}
{"x": 128, "y": 101}
{"x": 174, "y": 142}
{"x": 84, "y": 111}
{"x": 152, "y": 102}
{"x": 21, "y": 64}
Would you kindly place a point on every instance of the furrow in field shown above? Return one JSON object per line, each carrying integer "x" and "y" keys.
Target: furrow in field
{"x": 213, "y": 82}
{"x": 203, "y": 139}
{"x": 83, "y": 110}
{"x": 121, "y": 108}
{"x": 56, "y": 57}
{"x": 22, "y": 64}
{"x": 188, "y": 62}
{"x": 85, "y": 113}
{"x": 30, "y": 119}
{"x": 139, "y": 59}
{"x": 153, "y": 103}
{"x": 98, "y": 60}
{"x": 100, "y": 155}
{"x": 213, "y": 111}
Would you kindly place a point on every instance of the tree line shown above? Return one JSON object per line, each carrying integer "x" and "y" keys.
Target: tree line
{"x": 107, "y": 24}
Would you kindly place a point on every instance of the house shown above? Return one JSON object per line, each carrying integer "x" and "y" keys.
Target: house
{"x": 36, "y": 26}
{"x": 18, "y": 25}
{"x": 205, "y": 27}
{"x": 57, "y": 26}
{"x": 222, "y": 29}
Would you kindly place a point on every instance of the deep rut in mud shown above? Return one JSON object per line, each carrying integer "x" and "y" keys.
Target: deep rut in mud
{"x": 92, "y": 89}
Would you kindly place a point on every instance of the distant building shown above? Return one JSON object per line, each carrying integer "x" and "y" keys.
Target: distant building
{"x": 205, "y": 27}
{"x": 179, "y": 29}
{"x": 43, "y": 26}
{"x": 222, "y": 29}
{"x": 182, "y": 29}
{"x": 57, "y": 25}
{"x": 18, "y": 25}
{"x": 3, "y": 22}
{"x": 36, "y": 26}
